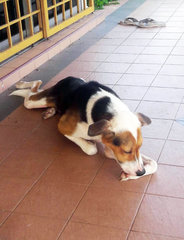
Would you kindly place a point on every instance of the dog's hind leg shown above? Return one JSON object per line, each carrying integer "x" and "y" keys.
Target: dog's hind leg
{"x": 33, "y": 100}
{"x": 33, "y": 85}
{"x": 21, "y": 93}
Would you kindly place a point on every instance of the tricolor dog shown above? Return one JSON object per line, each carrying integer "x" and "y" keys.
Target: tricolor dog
{"x": 91, "y": 112}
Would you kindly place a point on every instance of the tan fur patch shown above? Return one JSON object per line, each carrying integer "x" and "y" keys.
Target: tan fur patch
{"x": 128, "y": 149}
{"x": 43, "y": 94}
{"x": 68, "y": 122}
{"x": 139, "y": 141}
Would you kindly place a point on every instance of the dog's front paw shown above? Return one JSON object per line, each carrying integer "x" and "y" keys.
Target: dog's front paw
{"x": 90, "y": 148}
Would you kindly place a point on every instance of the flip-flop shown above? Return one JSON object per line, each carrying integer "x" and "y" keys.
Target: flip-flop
{"x": 149, "y": 23}
{"x": 144, "y": 23}
{"x": 129, "y": 21}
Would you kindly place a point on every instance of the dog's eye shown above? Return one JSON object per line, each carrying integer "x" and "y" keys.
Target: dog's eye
{"x": 128, "y": 152}
{"x": 117, "y": 141}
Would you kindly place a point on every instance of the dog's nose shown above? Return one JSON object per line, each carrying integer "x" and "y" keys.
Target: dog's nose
{"x": 140, "y": 173}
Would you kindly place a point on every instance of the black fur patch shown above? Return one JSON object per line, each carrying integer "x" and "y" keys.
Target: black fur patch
{"x": 83, "y": 94}
{"x": 100, "y": 110}
{"x": 63, "y": 93}
{"x": 74, "y": 92}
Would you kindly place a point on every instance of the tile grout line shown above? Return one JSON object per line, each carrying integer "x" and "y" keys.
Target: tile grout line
{"x": 18, "y": 145}
{"x": 77, "y": 205}
{"x": 27, "y": 192}
{"x": 159, "y": 235}
{"x": 145, "y": 192}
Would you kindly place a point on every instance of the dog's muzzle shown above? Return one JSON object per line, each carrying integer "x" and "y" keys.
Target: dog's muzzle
{"x": 140, "y": 173}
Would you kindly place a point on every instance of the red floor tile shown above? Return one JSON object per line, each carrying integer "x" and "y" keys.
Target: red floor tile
{"x": 168, "y": 174}
{"x": 12, "y": 190}
{"x": 29, "y": 227}
{"x": 108, "y": 207}
{"x": 81, "y": 231}
{"x": 24, "y": 164}
{"x": 10, "y": 138}
{"x": 3, "y": 215}
{"x": 23, "y": 117}
{"x": 75, "y": 167}
{"x": 51, "y": 198}
{"x": 46, "y": 138}
{"x": 161, "y": 215}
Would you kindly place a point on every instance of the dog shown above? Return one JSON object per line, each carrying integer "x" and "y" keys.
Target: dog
{"x": 91, "y": 112}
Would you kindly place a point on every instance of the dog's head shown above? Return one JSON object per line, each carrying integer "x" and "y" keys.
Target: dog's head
{"x": 123, "y": 142}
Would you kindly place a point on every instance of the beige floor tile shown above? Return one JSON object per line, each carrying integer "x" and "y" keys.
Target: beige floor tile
{"x": 136, "y": 79}
{"x": 164, "y": 94}
{"x": 169, "y": 81}
{"x": 130, "y": 92}
{"x": 144, "y": 68}
{"x": 170, "y": 156}
{"x": 151, "y": 59}
{"x": 160, "y": 110}
{"x": 158, "y": 129}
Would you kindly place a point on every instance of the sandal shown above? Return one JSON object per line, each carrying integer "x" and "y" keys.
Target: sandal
{"x": 149, "y": 22}
{"x": 144, "y": 23}
{"x": 129, "y": 21}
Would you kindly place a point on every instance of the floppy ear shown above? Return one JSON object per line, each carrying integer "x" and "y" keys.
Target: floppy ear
{"x": 143, "y": 119}
{"x": 98, "y": 128}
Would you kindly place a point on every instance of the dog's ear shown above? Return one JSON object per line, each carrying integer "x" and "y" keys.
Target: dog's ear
{"x": 98, "y": 127}
{"x": 143, "y": 119}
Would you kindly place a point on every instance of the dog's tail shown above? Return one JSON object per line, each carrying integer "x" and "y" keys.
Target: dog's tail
{"x": 21, "y": 93}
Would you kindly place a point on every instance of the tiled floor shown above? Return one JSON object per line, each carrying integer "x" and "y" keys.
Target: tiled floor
{"x": 49, "y": 189}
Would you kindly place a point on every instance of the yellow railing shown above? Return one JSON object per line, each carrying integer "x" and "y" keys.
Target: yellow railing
{"x": 59, "y": 8}
{"x": 52, "y": 16}
{"x": 26, "y": 38}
